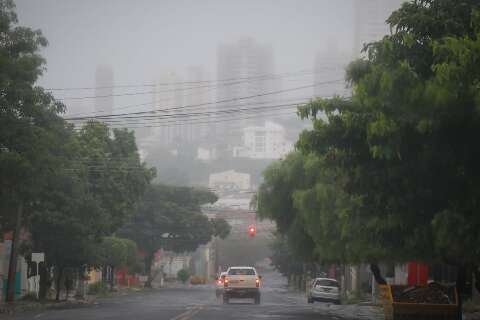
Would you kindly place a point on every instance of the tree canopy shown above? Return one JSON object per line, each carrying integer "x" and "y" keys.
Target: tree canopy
{"x": 391, "y": 173}
{"x": 170, "y": 218}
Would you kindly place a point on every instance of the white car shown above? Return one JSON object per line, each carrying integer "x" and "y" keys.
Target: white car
{"x": 219, "y": 286}
{"x": 241, "y": 282}
{"x": 324, "y": 289}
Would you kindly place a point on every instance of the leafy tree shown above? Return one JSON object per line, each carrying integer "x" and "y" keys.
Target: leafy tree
{"x": 111, "y": 165}
{"x": 221, "y": 228}
{"x": 403, "y": 148}
{"x": 67, "y": 188}
{"x": 86, "y": 199}
{"x": 396, "y": 165}
{"x": 33, "y": 137}
{"x": 183, "y": 275}
{"x": 170, "y": 218}
{"x": 275, "y": 201}
{"x": 283, "y": 258}
{"x": 116, "y": 252}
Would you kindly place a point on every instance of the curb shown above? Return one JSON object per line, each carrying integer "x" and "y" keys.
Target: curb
{"x": 24, "y": 307}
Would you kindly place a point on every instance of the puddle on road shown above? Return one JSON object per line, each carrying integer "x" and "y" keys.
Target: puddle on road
{"x": 277, "y": 316}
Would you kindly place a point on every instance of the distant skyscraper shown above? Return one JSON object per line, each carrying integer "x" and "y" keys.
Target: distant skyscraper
{"x": 330, "y": 65}
{"x": 370, "y": 17}
{"x": 243, "y": 59}
{"x": 184, "y": 95}
{"x": 104, "y": 89}
{"x": 198, "y": 93}
{"x": 168, "y": 94}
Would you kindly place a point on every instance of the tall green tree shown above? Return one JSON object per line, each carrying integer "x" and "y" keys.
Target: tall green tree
{"x": 275, "y": 201}
{"x": 170, "y": 218}
{"x": 86, "y": 199}
{"x": 115, "y": 252}
{"x": 110, "y": 163}
{"x": 33, "y": 137}
{"x": 403, "y": 147}
{"x": 67, "y": 188}
{"x": 221, "y": 228}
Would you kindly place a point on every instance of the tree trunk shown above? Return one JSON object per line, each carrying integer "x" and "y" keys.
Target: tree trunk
{"x": 67, "y": 288}
{"x": 476, "y": 273}
{"x": 12, "y": 266}
{"x": 112, "y": 277}
{"x": 377, "y": 274}
{"x": 44, "y": 281}
{"x": 460, "y": 284}
{"x": 58, "y": 282}
{"x": 105, "y": 274}
{"x": 148, "y": 269}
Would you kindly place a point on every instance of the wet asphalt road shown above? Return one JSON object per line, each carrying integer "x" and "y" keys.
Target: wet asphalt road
{"x": 193, "y": 303}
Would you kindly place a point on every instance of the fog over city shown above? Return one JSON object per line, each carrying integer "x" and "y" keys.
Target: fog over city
{"x": 221, "y": 73}
{"x": 140, "y": 39}
{"x": 172, "y": 159}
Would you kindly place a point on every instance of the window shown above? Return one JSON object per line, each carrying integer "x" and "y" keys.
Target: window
{"x": 241, "y": 272}
{"x": 326, "y": 283}
{"x": 259, "y": 141}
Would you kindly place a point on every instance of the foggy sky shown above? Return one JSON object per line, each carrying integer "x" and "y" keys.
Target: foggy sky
{"x": 140, "y": 38}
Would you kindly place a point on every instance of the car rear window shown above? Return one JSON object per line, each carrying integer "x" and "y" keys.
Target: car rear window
{"x": 241, "y": 272}
{"x": 326, "y": 283}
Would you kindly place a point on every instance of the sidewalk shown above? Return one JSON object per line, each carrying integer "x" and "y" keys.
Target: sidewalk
{"x": 25, "y": 306}
{"x": 351, "y": 311}
{"x": 21, "y": 306}
{"x": 360, "y": 311}
{"x": 472, "y": 316}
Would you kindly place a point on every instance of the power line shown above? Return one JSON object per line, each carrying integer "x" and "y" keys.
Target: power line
{"x": 182, "y": 82}
{"x": 150, "y": 104}
{"x": 193, "y": 122}
{"x": 211, "y": 122}
{"x": 184, "y": 115}
{"x": 183, "y": 96}
{"x": 163, "y": 91}
{"x": 193, "y": 116}
{"x": 205, "y": 104}
{"x": 141, "y": 104}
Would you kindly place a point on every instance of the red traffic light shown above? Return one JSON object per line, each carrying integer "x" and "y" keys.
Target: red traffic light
{"x": 252, "y": 230}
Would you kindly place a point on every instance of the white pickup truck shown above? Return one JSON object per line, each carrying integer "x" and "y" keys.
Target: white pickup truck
{"x": 241, "y": 282}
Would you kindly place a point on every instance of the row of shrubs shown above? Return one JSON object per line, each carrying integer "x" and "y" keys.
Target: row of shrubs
{"x": 183, "y": 276}
{"x": 101, "y": 288}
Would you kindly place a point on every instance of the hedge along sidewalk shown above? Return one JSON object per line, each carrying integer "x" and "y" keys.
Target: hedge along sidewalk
{"x": 351, "y": 311}
{"x": 26, "y": 305}
{"x": 31, "y": 305}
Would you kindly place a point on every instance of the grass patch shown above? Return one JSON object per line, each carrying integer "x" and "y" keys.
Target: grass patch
{"x": 471, "y": 306}
{"x": 30, "y": 297}
{"x": 98, "y": 289}
{"x": 354, "y": 298}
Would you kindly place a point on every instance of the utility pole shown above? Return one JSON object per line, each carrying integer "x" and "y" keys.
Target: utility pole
{"x": 12, "y": 266}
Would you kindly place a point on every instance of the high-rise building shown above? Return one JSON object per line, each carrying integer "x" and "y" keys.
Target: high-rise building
{"x": 250, "y": 65}
{"x": 263, "y": 142}
{"x": 198, "y": 92}
{"x": 330, "y": 66}
{"x": 104, "y": 89}
{"x": 370, "y": 21}
{"x": 172, "y": 124}
{"x": 168, "y": 94}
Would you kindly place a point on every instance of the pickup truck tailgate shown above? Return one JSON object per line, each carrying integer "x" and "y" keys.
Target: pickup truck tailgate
{"x": 241, "y": 281}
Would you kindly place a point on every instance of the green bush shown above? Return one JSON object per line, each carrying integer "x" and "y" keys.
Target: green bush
{"x": 354, "y": 298}
{"x": 197, "y": 280}
{"x": 183, "y": 275}
{"x": 471, "y": 307}
{"x": 98, "y": 288}
{"x": 31, "y": 296}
